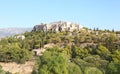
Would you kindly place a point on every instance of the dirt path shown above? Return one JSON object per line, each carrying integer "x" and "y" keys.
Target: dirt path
{"x": 39, "y": 52}
{"x": 18, "y": 68}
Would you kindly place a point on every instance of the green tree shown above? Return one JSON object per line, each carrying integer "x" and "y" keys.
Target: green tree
{"x": 74, "y": 69}
{"x": 113, "y": 68}
{"x": 92, "y": 70}
{"x": 103, "y": 52}
{"x": 116, "y": 55}
{"x": 52, "y": 63}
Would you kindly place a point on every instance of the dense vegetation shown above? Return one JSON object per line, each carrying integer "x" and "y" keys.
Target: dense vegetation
{"x": 12, "y": 50}
{"x": 78, "y": 52}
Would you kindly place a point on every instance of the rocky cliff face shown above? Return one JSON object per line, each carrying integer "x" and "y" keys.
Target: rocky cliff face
{"x": 58, "y": 26}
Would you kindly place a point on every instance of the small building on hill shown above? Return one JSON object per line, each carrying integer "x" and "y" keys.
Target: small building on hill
{"x": 20, "y": 37}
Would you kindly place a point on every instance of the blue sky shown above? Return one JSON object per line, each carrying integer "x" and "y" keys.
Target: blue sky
{"x": 104, "y": 14}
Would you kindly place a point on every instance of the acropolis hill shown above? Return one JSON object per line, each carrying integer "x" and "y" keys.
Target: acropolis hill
{"x": 58, "y": 26}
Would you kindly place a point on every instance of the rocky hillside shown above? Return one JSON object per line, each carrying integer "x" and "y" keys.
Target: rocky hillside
{"x": 82, "y": 51}
{"x": 12, "y": 31}
{"x": 58, "y": 26}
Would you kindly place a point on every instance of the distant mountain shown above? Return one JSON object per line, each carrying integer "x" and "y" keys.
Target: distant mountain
{"x": 12, "y": 31}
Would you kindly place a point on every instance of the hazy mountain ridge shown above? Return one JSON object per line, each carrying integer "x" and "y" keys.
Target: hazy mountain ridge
{"x": 12, "y": 31}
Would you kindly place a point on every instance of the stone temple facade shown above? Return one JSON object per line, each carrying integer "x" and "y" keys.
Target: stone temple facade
{"x": 58, "y": 26}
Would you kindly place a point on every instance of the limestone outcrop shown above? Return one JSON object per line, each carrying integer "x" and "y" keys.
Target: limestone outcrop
{"x": 58, "y": 26}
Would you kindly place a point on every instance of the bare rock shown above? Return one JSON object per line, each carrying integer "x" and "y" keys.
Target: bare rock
{"x": 58, "y": 26}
